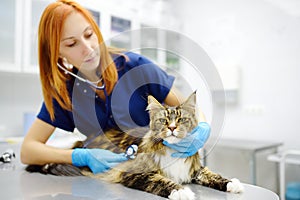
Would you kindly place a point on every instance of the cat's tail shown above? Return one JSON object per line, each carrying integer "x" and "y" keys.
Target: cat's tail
{"x": 112, "y": 176}
{"x": 55, "y": 169}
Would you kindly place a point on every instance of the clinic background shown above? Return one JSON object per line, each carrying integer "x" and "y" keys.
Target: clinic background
{"x": 256, "y": 41}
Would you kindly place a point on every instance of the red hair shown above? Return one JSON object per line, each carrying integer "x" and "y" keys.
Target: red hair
{"x": 54, "y": 80}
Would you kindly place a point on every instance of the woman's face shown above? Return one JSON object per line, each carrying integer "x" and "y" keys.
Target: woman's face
{"x": 79, "y": 43}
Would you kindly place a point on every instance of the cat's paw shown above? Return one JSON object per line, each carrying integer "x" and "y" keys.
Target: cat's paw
{"x": 235, "y": 186}
{"x": 182, "y": 194}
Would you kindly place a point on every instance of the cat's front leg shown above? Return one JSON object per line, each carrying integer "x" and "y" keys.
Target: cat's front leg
{"x": 235, "y": 186}
{"x": 182, "y": 194}
{"x": 157, "y": 184}
{"x": 210, "y": 179}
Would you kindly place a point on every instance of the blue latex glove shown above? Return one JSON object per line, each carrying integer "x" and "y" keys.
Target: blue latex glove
{"x": 98, "y": 160}
{"x": 190, "y": 145}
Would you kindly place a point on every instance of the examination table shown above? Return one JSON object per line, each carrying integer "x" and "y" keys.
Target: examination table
{"x": 16, "y": 183}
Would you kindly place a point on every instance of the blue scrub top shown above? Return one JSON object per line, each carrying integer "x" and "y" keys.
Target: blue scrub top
{"x": 124, "y": 108}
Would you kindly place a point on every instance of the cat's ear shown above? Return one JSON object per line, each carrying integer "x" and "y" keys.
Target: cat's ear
{"x": 153, "y": 104}
{"x": 190, "y": 102}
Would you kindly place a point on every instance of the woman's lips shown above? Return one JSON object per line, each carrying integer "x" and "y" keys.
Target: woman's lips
{"x": 90, "y": 60}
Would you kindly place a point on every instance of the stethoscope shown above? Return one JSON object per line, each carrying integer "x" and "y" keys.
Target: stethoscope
{"x": 82, "y": 79}
{"x": 131, "y": 151}
{"x": 7, "y": 156}
{"x": 93, "y": 86}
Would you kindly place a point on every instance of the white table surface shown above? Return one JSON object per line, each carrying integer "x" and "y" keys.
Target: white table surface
{"x": 15, "y": 183}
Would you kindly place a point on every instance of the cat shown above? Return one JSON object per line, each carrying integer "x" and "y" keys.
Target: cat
{"x": 153, "y": 170}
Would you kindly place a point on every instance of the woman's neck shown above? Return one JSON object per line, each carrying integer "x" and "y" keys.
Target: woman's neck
{"x": 93, "y": 76}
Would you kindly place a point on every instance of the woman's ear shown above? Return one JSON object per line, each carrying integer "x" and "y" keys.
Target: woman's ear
{"x": 66, "y": 63}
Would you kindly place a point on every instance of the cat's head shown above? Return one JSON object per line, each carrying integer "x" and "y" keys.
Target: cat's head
{"x": 172, "y": 123}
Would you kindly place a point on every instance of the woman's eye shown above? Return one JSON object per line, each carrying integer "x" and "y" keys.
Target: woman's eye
{"x": 70, "y": 45}
{"x": 89, "y": 34}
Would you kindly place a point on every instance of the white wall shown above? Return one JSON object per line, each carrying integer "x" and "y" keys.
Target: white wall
{"x": 263, "y": 40}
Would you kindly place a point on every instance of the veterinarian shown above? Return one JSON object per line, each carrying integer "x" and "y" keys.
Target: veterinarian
{"x": 91, "y": 87}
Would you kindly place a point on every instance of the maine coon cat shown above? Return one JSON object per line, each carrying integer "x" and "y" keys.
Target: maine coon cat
{"x": 154, "y": 170}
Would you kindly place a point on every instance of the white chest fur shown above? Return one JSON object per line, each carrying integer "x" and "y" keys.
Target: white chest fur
{"x": 174, "y": 168}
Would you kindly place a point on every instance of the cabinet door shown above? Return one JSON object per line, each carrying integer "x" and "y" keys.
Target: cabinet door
{"x": 119, "y": 25}
{"x": 149, "y": 40}
{"x": 10, "y": 35}
{"x": 34, "y": 10}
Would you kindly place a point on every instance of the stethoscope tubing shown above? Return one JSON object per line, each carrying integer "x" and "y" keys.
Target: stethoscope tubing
{"x": 95, "y": 87}
{"x": 102, "y": 87}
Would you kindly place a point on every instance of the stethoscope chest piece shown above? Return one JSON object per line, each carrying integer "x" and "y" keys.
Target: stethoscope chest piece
{"x": 131, "y": 151}
{"x": 7, "y": 156}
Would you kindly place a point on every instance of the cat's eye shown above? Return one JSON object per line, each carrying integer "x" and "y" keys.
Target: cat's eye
{"x": 182, "y": 120}
{"x": 163, "y": 121}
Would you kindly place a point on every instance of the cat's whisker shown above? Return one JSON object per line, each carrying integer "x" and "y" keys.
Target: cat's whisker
{"x": 169, "y": 133}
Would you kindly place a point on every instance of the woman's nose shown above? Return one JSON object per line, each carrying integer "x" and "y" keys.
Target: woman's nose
{"x": 87, "y": 47}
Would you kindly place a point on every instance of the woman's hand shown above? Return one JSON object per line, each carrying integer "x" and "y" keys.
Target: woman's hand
{"x": 98, "y": 160}
{"x": 190, "y": 145}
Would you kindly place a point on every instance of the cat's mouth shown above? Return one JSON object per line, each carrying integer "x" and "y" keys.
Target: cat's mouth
{"x": 172, "y": 137}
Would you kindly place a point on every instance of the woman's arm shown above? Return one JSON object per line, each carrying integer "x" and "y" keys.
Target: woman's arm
{"x": 174, "y": 98}
{"x": 35, "y": 151}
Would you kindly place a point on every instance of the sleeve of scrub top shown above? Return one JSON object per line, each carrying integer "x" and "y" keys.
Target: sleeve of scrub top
{"x": 63, "y": 119}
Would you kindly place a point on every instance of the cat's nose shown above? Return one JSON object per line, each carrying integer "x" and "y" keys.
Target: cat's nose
{"x": 172, "y": 126}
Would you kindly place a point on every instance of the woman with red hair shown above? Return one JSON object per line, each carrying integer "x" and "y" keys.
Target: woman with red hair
{"x": 88, "y": 86}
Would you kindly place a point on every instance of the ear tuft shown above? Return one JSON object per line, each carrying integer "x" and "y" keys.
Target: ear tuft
{"x": 190, "y": 102}
{"x": 153, "y": 104}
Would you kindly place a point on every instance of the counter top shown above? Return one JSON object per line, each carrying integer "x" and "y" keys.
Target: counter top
{"x": 16, "y": 183}
{"x": 247, "y": 145}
